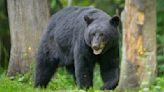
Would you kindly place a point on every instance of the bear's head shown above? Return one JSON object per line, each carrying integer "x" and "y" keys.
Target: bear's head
{"x": 101, "y": 34}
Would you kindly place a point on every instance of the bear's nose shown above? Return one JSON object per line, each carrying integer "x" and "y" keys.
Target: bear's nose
{"x": 95, "y": 47}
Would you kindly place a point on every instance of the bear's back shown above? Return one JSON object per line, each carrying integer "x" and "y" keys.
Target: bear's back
{"x": 72, "y": 18}
{"x": 68, "y": 25}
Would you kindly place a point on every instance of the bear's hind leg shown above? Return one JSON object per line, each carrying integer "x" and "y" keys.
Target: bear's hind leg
{"x": 45, "y": 68}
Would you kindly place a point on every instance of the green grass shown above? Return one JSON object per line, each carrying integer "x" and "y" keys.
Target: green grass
{"x": 62, "y": 82}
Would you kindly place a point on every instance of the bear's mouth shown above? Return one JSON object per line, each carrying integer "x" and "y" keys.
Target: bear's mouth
{"x": 98, "y": 48}
{"x": 97, "y": 51}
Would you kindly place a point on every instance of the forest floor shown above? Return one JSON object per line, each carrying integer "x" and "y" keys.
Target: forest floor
{"x": 62, "y": 82}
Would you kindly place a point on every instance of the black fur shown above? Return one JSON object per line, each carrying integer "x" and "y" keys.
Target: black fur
{"x": 68, "y": 42}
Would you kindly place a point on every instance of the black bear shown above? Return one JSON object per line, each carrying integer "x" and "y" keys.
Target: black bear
{"x": 77, "y": 38}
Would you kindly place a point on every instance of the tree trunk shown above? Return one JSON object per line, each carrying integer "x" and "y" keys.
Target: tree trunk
{"x": 28, "y": 19}
{"x": 69, "y": 2}
{"x": 138, "y": 66}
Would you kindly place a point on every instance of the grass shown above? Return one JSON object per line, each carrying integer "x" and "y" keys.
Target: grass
{"x": 62, "y": 82}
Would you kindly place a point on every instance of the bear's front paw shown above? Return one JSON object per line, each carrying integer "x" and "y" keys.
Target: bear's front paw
{"x": 104, "y": 88}
{"x": 107, "y": 87}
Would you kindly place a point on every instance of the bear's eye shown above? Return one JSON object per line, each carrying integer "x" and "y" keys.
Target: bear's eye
{"x": 93, "y": 34}
{"x": 101, "y": 34}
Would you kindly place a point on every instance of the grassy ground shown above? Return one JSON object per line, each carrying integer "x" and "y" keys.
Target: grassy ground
{"x": 62, "y": 82}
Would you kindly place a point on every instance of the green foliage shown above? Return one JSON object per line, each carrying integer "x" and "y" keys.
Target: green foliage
{"x": 109, "y": 6}
{"x": 4, "y": 56}
{"x": 4, "y": 35}
{"x": 158, "y": 84}
{"x": 55, "y": 5}
{"x": 160, "y": 36}
{"x": 112, "y": 7}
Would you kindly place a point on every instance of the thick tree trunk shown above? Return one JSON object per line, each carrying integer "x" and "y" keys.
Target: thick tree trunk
{"x": 28, "y": 19}
{"x": 138, "y": 66}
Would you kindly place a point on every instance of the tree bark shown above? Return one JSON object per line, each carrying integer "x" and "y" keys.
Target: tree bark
{"x": 138, "y": 66}
{"x": 27, "y": 19}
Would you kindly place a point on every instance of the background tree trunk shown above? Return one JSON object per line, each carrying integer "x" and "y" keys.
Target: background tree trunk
{"x": 69, "y": 2}
{"x": 138, "y": 66}
{"x": 28, "y": 19}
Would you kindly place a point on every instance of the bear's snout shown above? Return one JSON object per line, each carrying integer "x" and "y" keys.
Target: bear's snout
{"x": 97, "y": 48}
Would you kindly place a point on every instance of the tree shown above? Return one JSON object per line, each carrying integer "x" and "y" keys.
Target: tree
{"x": 27, "y": 19}
{"x": 138, "y": 66}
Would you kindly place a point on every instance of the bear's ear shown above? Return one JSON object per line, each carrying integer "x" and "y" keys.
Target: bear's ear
{"x": 88, "y": 19}
{"x": 115, "y": 20}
